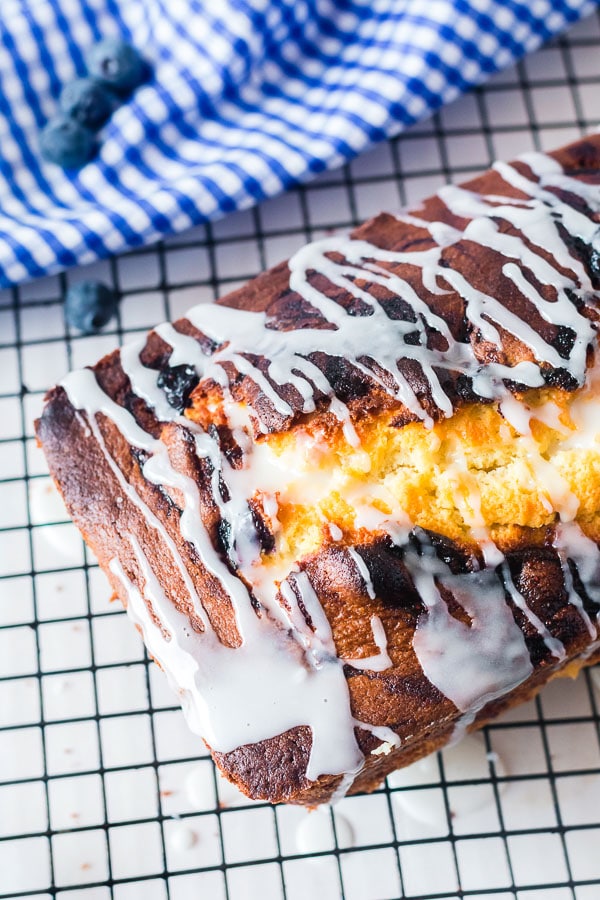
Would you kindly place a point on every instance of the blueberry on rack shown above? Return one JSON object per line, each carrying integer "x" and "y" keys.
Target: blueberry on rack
{"x": 89, "y": 305}
{"x": 116, "y": 64}
{"x": 67, "y": 143}
{"x": 88, "y": 102}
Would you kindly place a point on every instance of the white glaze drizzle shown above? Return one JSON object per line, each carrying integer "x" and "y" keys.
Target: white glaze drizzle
{"x": 335, "y": 531}
{"x": 145, "y": 380}
{"x": 286, "y": 672}
{"x": 210, "y": 674}
{"x": 555, "y": 646}
{"x": 240, "y": 331}
{"x": 470, "y": 664}
{"x": 380, "y": 661}
{"x": 85, "y": 394}
{"x": 236, "y": 696}
{"x": 572, "y": 544}
{"x": 363, "y": 571}
{"x": 585, "y": 554}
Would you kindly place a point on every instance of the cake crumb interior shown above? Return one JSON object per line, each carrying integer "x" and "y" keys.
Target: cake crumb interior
{"x": 469, "y": 478}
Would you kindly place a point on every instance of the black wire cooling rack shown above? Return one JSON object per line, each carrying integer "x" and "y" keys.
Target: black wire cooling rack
{"x": 103, "y": 791}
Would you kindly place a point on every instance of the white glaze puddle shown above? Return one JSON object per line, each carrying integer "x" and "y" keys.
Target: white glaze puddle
{"x": 182, "y": 838}
{"x": 286, "y": 672}
{"x": 314, "y": 832}
{"x": 464, "y": 761}
{"x": 60, "y": 686}
{"x": 199, "y": 789}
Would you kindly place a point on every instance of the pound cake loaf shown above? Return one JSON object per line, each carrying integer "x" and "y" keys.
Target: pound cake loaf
{"x": 353, "y": 507}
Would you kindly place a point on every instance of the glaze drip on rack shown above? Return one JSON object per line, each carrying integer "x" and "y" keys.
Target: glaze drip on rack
{"x": 286, "y": 671}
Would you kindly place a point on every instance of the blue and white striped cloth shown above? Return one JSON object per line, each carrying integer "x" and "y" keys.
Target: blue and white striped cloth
{"x": 247, "y": 98}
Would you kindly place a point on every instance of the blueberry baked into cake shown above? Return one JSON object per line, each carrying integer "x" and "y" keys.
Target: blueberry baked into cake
{"x": 353, "y": 507}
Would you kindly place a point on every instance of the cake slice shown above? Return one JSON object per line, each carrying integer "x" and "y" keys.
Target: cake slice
{"x": 352, "y": 507}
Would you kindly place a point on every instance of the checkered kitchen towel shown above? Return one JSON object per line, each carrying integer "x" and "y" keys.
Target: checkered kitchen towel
{"x": 247, "y": 98}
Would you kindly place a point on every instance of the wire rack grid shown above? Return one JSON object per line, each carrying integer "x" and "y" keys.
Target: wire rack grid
{"x": 103, "y": 791}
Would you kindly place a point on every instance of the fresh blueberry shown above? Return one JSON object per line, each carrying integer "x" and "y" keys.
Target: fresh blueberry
{"x": 88, "y": 102}
{"x": 67, "y": 143}
{"x": 116, "y": 64}
{"x": 178, "y": 382}
{"x": 89, "y": 305}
